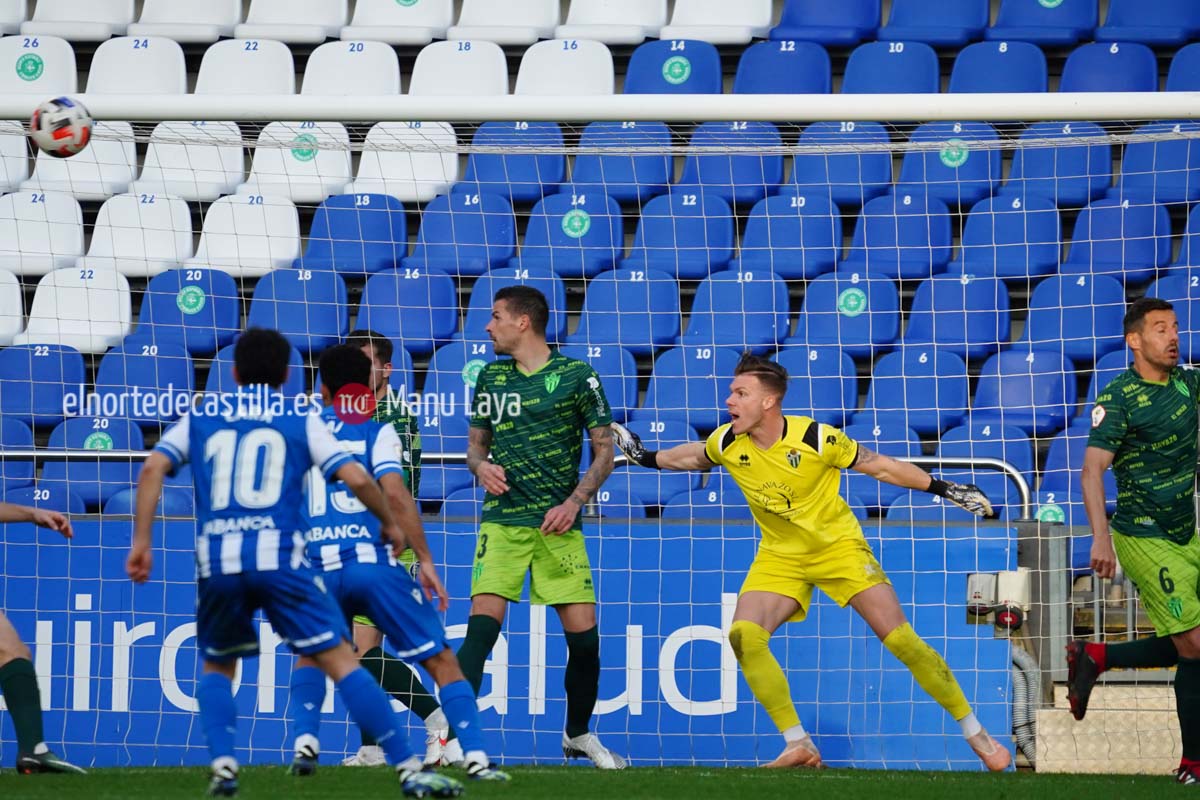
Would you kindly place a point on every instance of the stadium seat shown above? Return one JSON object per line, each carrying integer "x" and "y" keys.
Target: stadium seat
{"x": 989, "y": 441}
{"x": 399, "y": 23}
{"x": 1067, "y": 509}
{"x": 387, "y": 165}
{"x": 89, "y": 310}
{"x": 140, "y": 235}
{"x": 850, "y": 178}
{"x": 612, "y": 502}
{"x": 1011, "y": 238}
{"x": 511, "y": 23}
{"x": 943, "y": 23}
{"x": 308, "y": 307}
{"x": 451, "y": 375}
{"x": 1189, "y": 250}
{"x": 675, "y": 66}
{"x": 797, "y": 237}
{"x": 464, "y": 235}
{"x": 35, "y": 379}
{"x": 746, "y": 310}
{"x": 575, "y": 234}
{"x": 832, "y": 307}
{"x": 714, "y": 502}
{"x": 566, "y": 67}
{"x": 1097, "y": 67}
{"x": 1077, "y": 315}
{"x": 833, "y": 24}
{"x": 12, "y": 307}
{"x": 39, "y": 232}
{"x": 465, "y": 503}
{"x": 15, "y": 473}
{"x": 1000, "y": 67}
{"x": 483, "y": 293}
{"x": 355, "y": 234}
{"x": 186, "y": 21}
{"x": 1033, "y": 390}
{"x": 105, "y": 167}
{"x": 1126, "y": 239}
{"x": 304, "y": 162}
{"x": 417, "y": 308}
{"x": 738, "y": 179}
{"x": 1055, "y": 24}
{"x": 175, "y": 501}
{"x": 1184, "y": 75}
{"x": 246, "y": 66}
{"x": 220, "y": 374}
{"x": 1166, "y": 171}
{"x": 1155, "y": 22}
{"x": 959, "y": 174}
{"x": 51, "y": 496}
{"x": 892, "y": 68}
{"x": 656, "y": 487}
{"x": 1107, "y": 367}
{"x": 719, "y": 22}
{"x": 923, "y": 389}
{"x": 195, "y": 161}
{"x": 200, "y": 308}
{"x": 889, "y": 438}
{"x": 294, "y": 21}
{"x": 1069, "y": 174}
{"x": 685, "y": 234}
{"x": 823, "y": 383}
{"x": 1064, "y": 462}
{"x": 93, "y": 482}
{"x": 132, "y": 65}
{"x": 44, "y": 65}
{"x": 786, "y": 67}
{"x": 12, "y": 14}
{"x": 355, "y": 67}
{"x": 617, "y": 370}
{"x": 690, "y": 384}
{"x": 161, "y": 369}
{"x": 248, "y": 235}
{"x": 1182, "y": 289}
{"x": 904, "y": 236}
{"x": 614, "y": 21}
{"x": 961, "y": 314}
{"x": 636, "y": 309}
{"x": 913, "y": 507}
{"x": 532, "y": 162}
{"x": 460, "y": 68}
{"x": 80, "y": 20}
{"x": 14, "y": 155}
{"x": 627, "y": 175}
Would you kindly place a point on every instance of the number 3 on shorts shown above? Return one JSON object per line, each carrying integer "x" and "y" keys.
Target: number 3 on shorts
{"x": 482, "y": 546}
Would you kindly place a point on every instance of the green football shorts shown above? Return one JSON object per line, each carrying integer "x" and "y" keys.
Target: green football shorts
{"x": 1167, "y": 576}
{"x": 558, "y": 567}
{"x": 409, "y": 560}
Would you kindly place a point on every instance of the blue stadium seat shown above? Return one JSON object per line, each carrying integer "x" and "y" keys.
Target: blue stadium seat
{"x": 961, "y": 173}
{"x": 1124, "y": 238}
{"x": 945, "y": 23}
{"x": 220, "y": 375}
{"x": 685, "y": 234}
{"x": 306, "y": 306}
{"x": 451, "y": 375}
{"x": 690, "y": 384}
{"x": 1070, "y": 174}
{"x": 1064, "y": 462}
{"x": 849, "y": 178}
{"x": 634, "y": 308}
{"x": 175, "y": 501}
{"x": 741, "y": 179}
{"x": 1107, "y": 368}
{"x": 1184, "y": 74}
{"x": 784, "y": 67}
{"x": 889, "y": 438}
{"x": 1124, "y": 67}
{"x": 989, "y": 441}
{"x": 923, "y": 389}
{"x": 617, "y": 503}
{"x": 444, "y": 434}
{"x": 50, "y": 496}
{"x": 1189, "y": 250}
{"x": 674, "y": 66}
{"x": 1079, "y": 316}
{"x": 161, "y": 369}
{"x": 575, "y": 234}
{"x": 617, "y": 370}
{"x": 15, "y": 473}
{"x": 859, "y": 314}
{"x": 1033, "y": 390}
{"x": 202, "y": 308}
{"x": 1000, "y": 67}
{"x": 797, "y": 237}
{"x": 464, "y": 235}
{"x": 746, "y": 310}
{"x": 892, "y": 68}
{"x": 904, "y": 236}
{"x": 1166, "y": 171}
{"x": 713, "y": 502}
{"x": 466, "y": 503}
{"x": 823, "y": 385}
{"x": 1064, "y": 23}
{"x": 1068, "y": 509}
{"x": 356, "y": 233}
{"x": 1010, "y": 237}
{"x": 483, "y": 293}
{"x": 1182, "y": 290}
{"x": 521, "y": 176}
{"x": 35, "y": 379}
{"x": 962, "y": 314}
{"x": 1156, "y": 22}
{"x": 655, "y": 487}
{"x": 416, "y": 307}
{"x": 836, "y": 24}
{"x": 627, "y": 175}
{"x": 95, "y": 481}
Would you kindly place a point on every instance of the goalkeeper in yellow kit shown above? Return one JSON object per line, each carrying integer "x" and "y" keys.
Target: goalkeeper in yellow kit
{"x": 789, "y": 467}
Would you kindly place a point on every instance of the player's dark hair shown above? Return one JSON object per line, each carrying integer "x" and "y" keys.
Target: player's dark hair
{"x": 1135, "y": 316}
{"x": 527, "y": 301}
{"x": 771, "y": 375}
{"x": 261, "y": 357}
{"x": 381, "y": 346}
{"x": 343, "y": 364}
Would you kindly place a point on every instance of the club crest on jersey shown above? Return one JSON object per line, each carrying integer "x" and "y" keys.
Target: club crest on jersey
{"x": 552, "y": 381}
{"x": 1097, "y": 416}
{"x": 793, "y": 458}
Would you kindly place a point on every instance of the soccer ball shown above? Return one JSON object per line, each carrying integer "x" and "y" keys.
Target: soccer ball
{"x": 61, "y": 127}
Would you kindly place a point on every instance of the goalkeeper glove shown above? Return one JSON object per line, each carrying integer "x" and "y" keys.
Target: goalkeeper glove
{"x": 631, "y": 445}
{"x": 964, "y": 495}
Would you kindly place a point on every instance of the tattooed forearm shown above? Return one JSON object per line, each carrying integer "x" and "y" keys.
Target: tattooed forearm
{"x": 601, "y": 468}
{"x": 479, "y": 444}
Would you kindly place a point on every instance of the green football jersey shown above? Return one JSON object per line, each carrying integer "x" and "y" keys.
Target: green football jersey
{"x": 1150, "y": 428}
{"x": 394, "y": 411}
{"x": 537, "y": 423}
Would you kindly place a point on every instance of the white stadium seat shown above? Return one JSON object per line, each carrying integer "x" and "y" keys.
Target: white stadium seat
{"x": 12, "y": 14}
{"x": 460, "y": 68}
{"x": 341, "y": 68}
{"x": 614, "y": 21}
{"x": 719, "y": 21}
{"x": 12, "y": 307}
{"x": 411, "y": 161}
{"x": 105, "y": 167}
{"x": 566, "y": 67}
{"x": 248, "y": 236}
{"x": 80, "y": 20}
{"x": 138, "y": 65}
{"x": 247, "y": 66}
{"x": 302, "y": 161}
{"x": 188, "y": 21}
{"x": 39, "y": 232}
{"x": 510, "y": 22}
{"x": 87, "y": 309}
{"x": 14, "y": 155}
{"x": 193, "y": 160}
{"x": 43, "y": 65}
{"x": 397, "y": 23}
{"x": 294, "y": 21}
{"x": 140, "y": 235}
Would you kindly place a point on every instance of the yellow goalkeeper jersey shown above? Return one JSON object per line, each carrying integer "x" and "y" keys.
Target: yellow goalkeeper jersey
{"x": 792, "y": 487}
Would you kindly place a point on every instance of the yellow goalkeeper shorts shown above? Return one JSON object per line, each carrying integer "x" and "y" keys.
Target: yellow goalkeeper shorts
{"x": 841, "y": 571}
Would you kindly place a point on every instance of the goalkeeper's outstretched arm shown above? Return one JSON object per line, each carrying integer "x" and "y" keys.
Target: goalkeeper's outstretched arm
{"x": 681, "y": 458}
{"x": 910, "y": 476}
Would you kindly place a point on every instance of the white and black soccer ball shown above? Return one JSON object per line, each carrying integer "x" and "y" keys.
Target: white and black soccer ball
{"x": 61, "y": 127}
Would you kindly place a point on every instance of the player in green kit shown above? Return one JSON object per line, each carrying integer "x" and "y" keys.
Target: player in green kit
{"x": 1144, "y": 425}
{"x": 529, "y": 413}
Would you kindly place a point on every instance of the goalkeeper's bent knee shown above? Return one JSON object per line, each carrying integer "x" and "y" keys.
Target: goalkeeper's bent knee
{"x": 929, "y": 669}
{"x": 750, "y": 643}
